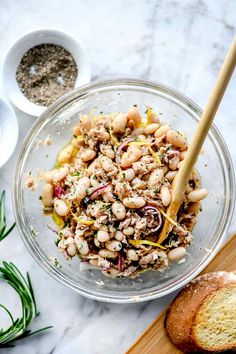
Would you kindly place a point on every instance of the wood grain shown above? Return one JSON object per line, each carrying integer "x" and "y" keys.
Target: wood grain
{"x": 154, "y": 340}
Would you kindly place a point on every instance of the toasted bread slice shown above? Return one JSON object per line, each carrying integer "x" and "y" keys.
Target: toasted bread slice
{"x": 193, "y": 308}
{"x": 215, "y": 322}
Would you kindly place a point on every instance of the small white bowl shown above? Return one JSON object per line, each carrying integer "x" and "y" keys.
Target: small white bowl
{"x": 22, "y": 45}
{"x": 8, "y": 131}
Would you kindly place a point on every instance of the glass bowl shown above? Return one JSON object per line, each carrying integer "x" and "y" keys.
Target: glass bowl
{"x": 214, "y": 165}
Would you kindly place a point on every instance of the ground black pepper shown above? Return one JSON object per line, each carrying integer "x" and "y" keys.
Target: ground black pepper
{"x": 46, "y": 72}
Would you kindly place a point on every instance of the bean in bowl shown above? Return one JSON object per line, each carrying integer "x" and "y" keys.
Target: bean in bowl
{"x": 111, "y": 187}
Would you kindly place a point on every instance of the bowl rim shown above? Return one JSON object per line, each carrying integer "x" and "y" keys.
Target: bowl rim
{"x": 13, "y": 122}
{"x": 45, "y": 264}
{"x": 34, "y": 109}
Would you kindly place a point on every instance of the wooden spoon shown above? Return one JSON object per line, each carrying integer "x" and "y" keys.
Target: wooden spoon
{"x": 181, "y": 179}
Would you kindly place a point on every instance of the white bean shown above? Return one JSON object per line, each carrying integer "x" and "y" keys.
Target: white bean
{"x": 161, "y": 131}
{"x": 93, "y": 181}
{"x": 134, "y": 203}
{"x": 93, "y": 166}
{"x": 141, "y": 137}
{"x": 104, "y": 253}
{"x": 151, "y": 128}
{"x": 113, "y": 245}
{"x": 102, "y": 236}
{"x": 47, "y": 195}
{"x": 128, "y": 175}
{"x": 197, "y": 195}
{"x": 194, "y": 208}
{"x": 176, "y": 254}
{"x": 88, "y": 154}
{"x": 134, "y": 116}
{"x": 155, "y": 177}
{"x": 132, "y": 255}
{"x": 107, "y": 164}
{"x": 171, "y": 175}
{"x": 104, "y": 228}
{"x": 174, "y": 162}
{"x": 138, "y": 183}
{"x": 177, "y": 139}
{"x": 133, "y": 154}
{"x": 144, "y": 260}
{"x": 96, "y": 242}
{"x": 137, "y": 131}
{"x": 48, "y": 176}
{"x": 82, "y": 245}
{"x": 118, "y": 210}
{"x": 71, "y": 250}
{"x": 60, "y": 173}
{"x": 103, "y": 135}
{"x": 61, "y": 208}
{"x": 119, "y": 236}
{"x": 107, "y": 151}
{"x": 69, "y": 241}
{"x": 119, "y": 123}
{"x": 165, "y": 195}
{"x": 65, "y": 154}
{"x": 81, "y": 188}
{"x": 85, "y": 122}
{"x": 128, "y": 231}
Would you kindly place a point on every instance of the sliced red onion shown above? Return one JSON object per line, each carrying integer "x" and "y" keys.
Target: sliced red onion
{"x": 58, "y": 192}
{"x": 154, "y": 211}
{"x": 122, "y": 145}
{"x": 98, "y": 191}
{"x": 120, "y": 262}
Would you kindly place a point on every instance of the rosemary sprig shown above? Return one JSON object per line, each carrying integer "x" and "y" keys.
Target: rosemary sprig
{"x": 3, "y": 231}
{"x": 19, "y": 327}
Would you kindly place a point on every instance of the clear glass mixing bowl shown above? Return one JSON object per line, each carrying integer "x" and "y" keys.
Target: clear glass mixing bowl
{"x": 214, "y": 165}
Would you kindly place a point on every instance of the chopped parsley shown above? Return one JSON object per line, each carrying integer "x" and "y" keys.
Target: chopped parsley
{"x": 76, "y": 174}
{"x": 57, "y": 241}
{"x": 105, "y": 207}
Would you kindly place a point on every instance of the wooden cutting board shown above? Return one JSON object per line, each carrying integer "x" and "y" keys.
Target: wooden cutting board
{"x": 154, "y": 340}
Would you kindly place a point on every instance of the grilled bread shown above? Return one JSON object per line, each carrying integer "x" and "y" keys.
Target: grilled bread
{"x": 202, "y": 318}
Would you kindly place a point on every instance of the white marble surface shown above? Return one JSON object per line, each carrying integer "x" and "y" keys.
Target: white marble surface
{"x": 179, "y": 43}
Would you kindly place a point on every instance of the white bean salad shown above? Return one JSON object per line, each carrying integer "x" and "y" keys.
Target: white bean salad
{"x": 110, "y": 190}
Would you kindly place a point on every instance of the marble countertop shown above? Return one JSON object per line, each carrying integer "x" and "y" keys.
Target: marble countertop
{"x": 180, "y": 43}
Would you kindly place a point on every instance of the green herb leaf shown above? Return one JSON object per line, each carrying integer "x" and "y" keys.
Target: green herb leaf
{"x": 76, "y": 174}
{"x": 3, "y": 231}
{"x": 23, "y": 286}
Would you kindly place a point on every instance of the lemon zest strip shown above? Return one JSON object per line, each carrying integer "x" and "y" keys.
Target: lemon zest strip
{"x": 156, "y": 158}
{"x": 146, "y": 242}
